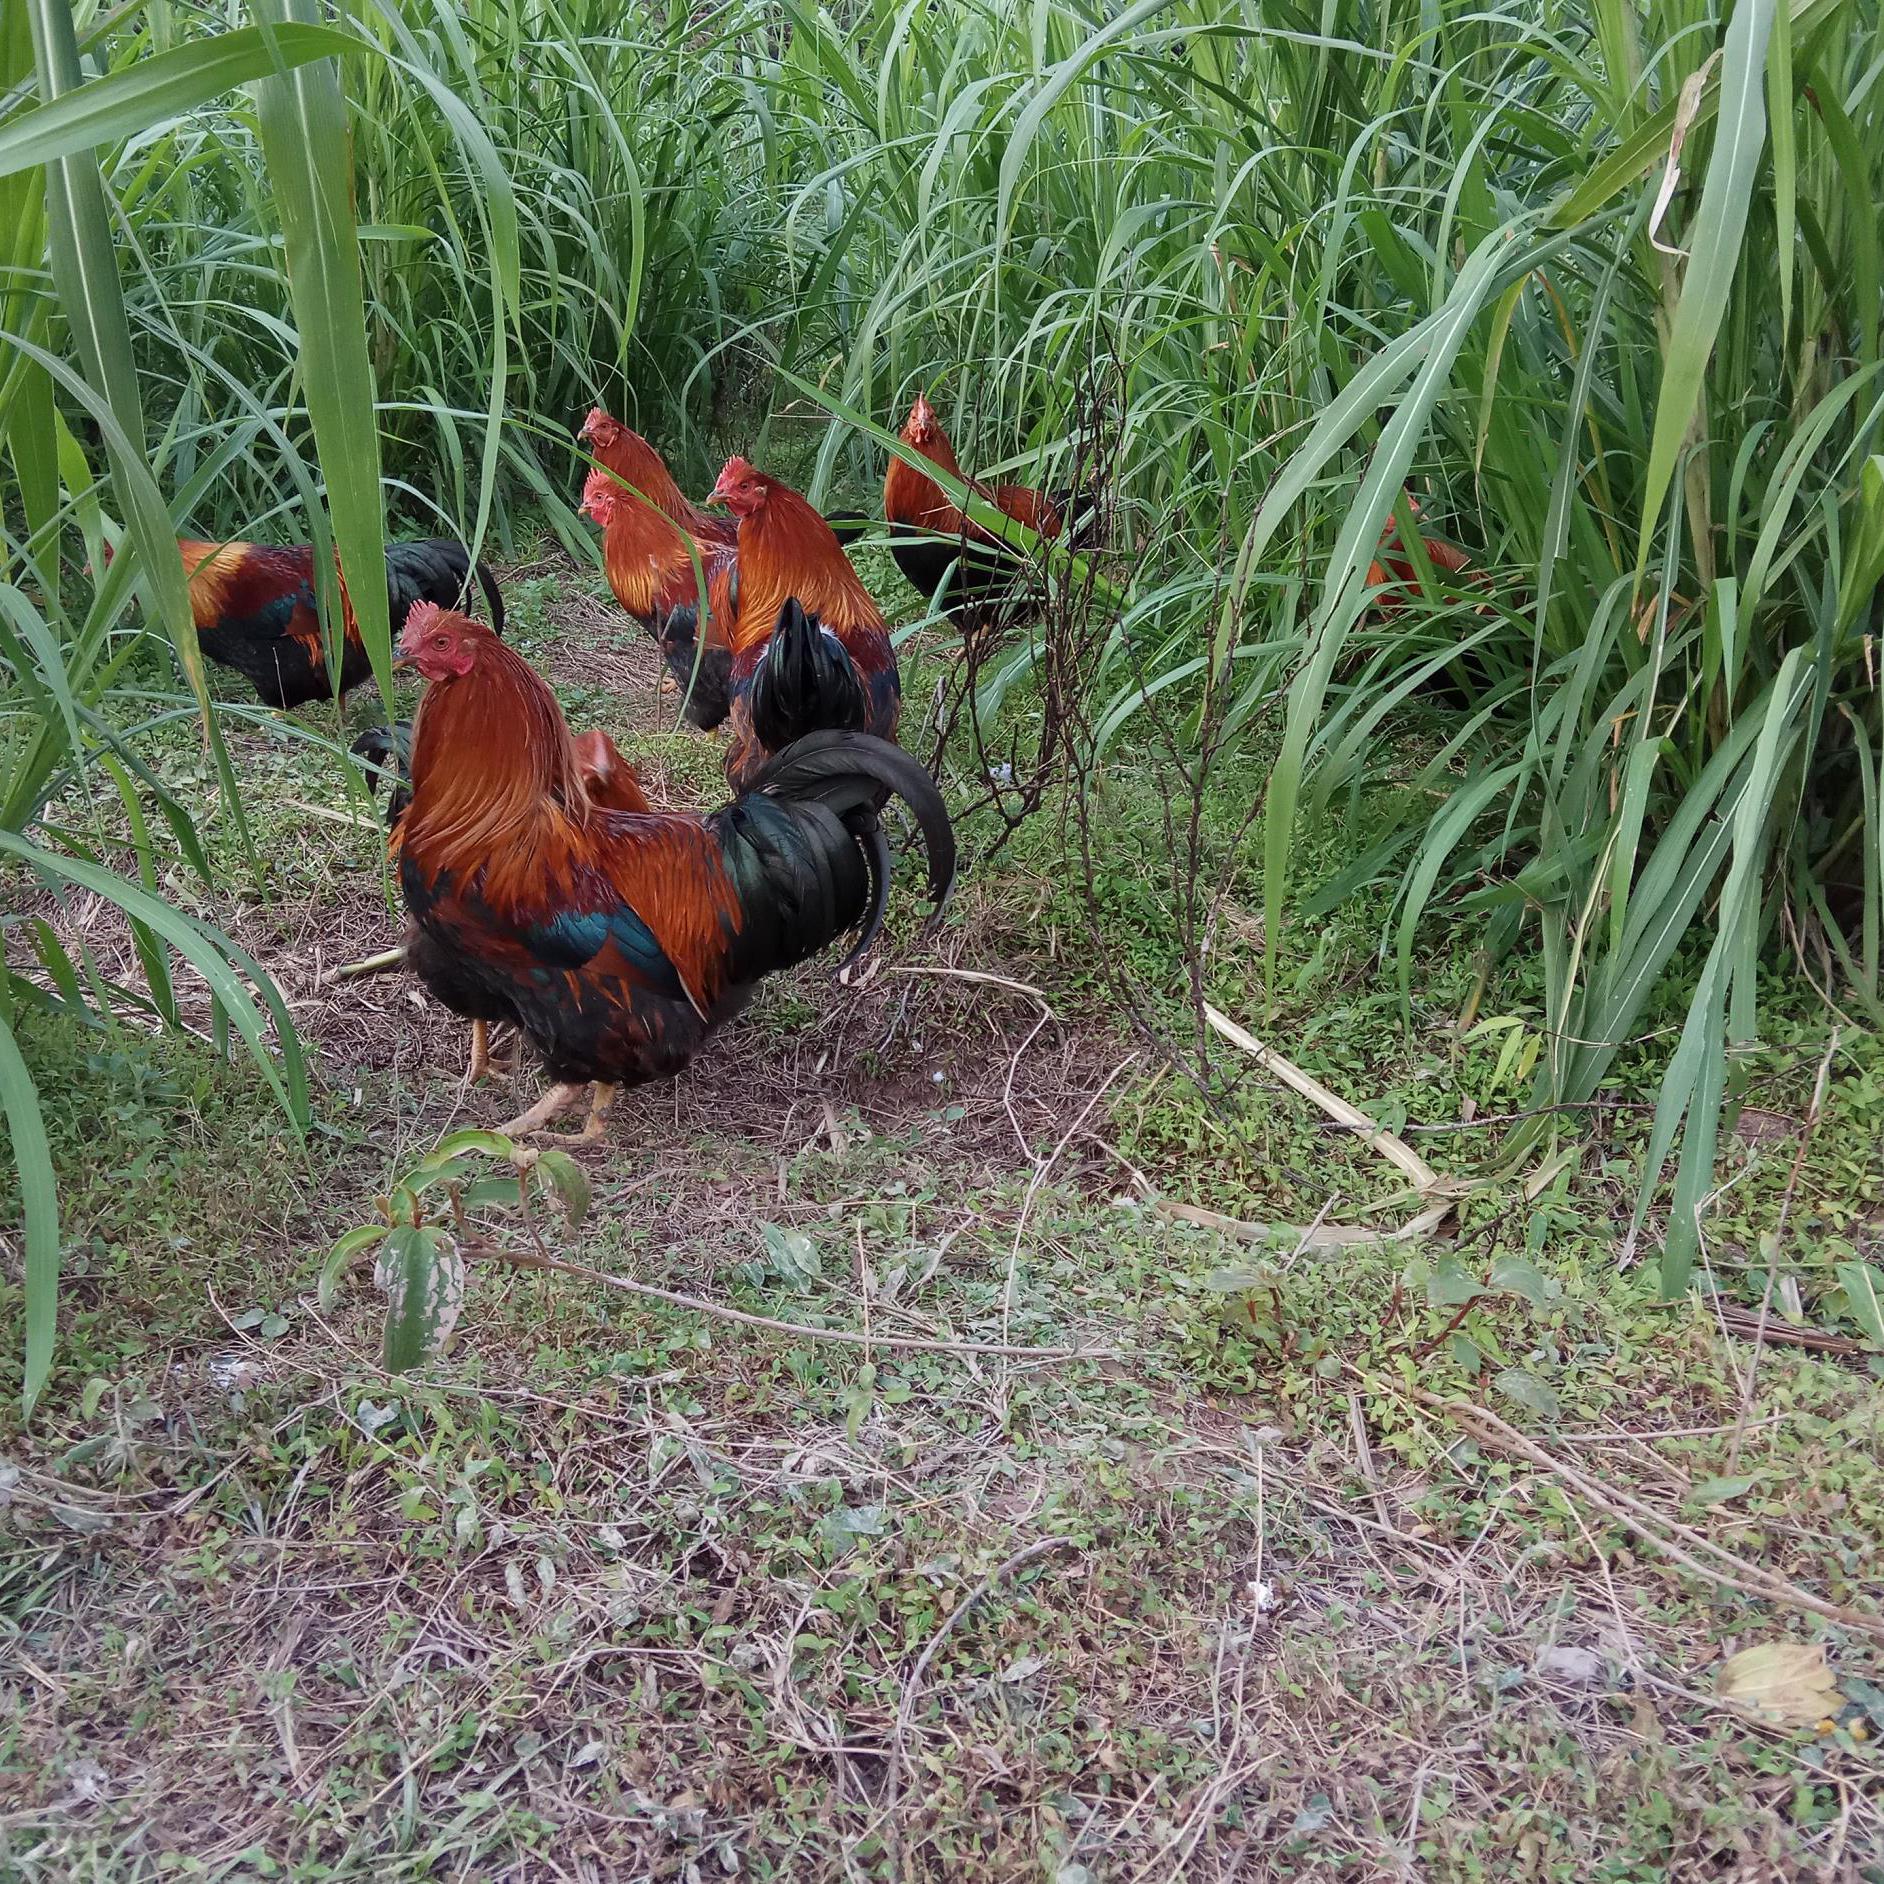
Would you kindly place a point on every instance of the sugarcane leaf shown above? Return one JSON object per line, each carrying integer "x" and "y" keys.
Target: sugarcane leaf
{"x": 307, "y": 143}
{"x": 159, "y": 86}
{"x": 39, "y": 1205}
{"x": 1713, "y": 252}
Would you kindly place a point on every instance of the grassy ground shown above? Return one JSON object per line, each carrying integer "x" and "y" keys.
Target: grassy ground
{"x": 1265, "y": 1584}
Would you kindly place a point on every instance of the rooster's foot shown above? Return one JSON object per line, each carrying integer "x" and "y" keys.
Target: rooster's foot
{"x": 488, "y": 1059}
{"x": 558, "y": 1099}
{"x": 483, "y": 1063}
{"x": 595, "y": 1124}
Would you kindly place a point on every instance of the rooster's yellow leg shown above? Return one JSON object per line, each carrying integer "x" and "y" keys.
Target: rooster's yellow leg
{"x": 559, "y": 1098}
{"x": 480, "y": 1053}
{"x": 596, "y": 1123}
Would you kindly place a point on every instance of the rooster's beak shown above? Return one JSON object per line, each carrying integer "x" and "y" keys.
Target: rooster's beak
{"x": 403, "y": 663}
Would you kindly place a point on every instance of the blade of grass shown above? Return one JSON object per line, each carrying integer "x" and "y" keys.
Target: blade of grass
{"x": 307, "y": 141}
{"x": 39, "y": 1205}
{"x": 1713, "y": 253}
{"x": 162, "y": 85}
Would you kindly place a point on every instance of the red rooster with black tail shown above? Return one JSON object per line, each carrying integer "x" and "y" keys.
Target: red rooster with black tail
{"x": 806, "y": 623}
{"x": 633, "y": 462}
{"x": 617, "y": 941}
{"x": 255, "y": 609}
{"x": 1393, "y": 569}
{"x": 612, "y": 783}
{"x": 656, "y": 565}
{"x": 932, "y": 540}
{"x": 657, "y": 549}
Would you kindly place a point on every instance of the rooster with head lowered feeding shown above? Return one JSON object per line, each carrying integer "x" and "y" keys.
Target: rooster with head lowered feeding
{"x": 617, "y": 941}
{"x": 941, "y": 551}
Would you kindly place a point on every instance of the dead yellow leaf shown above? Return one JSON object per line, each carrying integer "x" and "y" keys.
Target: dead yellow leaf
{"x": 1787, "y": 1683}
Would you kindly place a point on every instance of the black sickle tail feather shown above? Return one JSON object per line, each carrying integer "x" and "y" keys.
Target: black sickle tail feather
{"x": 704, "y": 677}
{"x": 387, "y": 752}
{"x": 853, "y": 772}
{"x": 437, "y": 569}
{"x": 850, "y": 775}
{"x": 805, "y": 683}
{"x": 808, "y": 856}
{"x": 876, "y": 850}
{"x": 493, "y": 597}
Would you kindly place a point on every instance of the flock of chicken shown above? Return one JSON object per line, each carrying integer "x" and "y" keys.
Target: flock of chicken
{"x": 542, "y": 888}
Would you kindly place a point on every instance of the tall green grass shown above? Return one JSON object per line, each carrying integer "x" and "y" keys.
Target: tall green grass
{"x": 274, "y": 277}
{"x": 1602, "y": 286}
{"x": 1343, "y": 251}
{"x": 69, "y": 355}
{"x": 543, "y": 222}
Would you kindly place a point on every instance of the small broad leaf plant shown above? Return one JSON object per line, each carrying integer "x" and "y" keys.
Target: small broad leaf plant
{"x": 426, "y": 1232}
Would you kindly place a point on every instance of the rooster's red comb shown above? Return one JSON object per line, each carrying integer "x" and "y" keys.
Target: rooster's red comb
{"x": 427, "y": 618}
{"x": 733, "y": 473}
{"x": 598, "y": 494}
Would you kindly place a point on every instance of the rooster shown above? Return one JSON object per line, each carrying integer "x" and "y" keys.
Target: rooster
{"x": 650, "y": 561}
{"x": 617, "y": 941}
{"x": 809, "y": 648}
{"x": 255, "y": 611}
{"x": 612, "y": 783}
{"x": 1393, "y": 568}
{"x": 623, "y": 452}
{"x": 652, "y": 540}
{"x": 932, "y": 537}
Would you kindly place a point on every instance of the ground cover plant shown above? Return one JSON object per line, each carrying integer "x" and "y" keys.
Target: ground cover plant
{"x": 1327, "y": 1322}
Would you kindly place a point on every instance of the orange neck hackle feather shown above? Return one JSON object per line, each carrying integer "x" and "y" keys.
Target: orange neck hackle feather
{"x": 909, "y": 496}
{"x": 207, "y": 570}
{"x": 495, "y": 780}
{"x": 637, "y": 464}
{"x": 195, "y": 554}
{"x": 499, "y": 801}
{"x": 643, "y": 555}
{"x": 645, "y": 549}
{"x": 787, "y": 550}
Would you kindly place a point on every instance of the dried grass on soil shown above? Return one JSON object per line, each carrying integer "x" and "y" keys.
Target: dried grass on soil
{"x": 601, "y": 1602}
